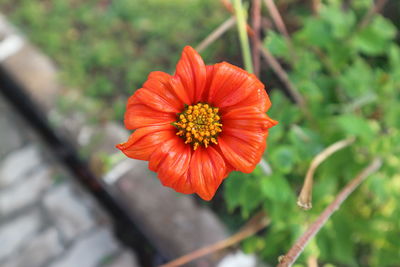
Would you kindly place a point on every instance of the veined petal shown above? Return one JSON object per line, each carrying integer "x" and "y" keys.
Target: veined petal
{"x": 139, "y": 115}
{"x": 192, "y": 72}
{"x": 180, "y": 90}
{"x": 232, "y": 85}
{"x": 247, "y": 118}
{"x": 206, "y": 172}
{"x": 259, "y": 99}
{"x": 241, "y": 148}
{"x": 158, "y": 94}
{"x": 171, "y": 161}
{"x": 142, "y": 143}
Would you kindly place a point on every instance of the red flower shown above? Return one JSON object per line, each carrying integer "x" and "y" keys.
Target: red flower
{"x": 198, "y": 125}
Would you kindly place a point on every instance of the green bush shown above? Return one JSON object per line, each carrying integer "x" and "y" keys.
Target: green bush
{"x": 107, "y": 48}
{"x": 349, "y": 77}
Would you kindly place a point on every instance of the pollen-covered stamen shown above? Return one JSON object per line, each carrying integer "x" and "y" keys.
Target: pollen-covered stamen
{"x": 199, "y": 125}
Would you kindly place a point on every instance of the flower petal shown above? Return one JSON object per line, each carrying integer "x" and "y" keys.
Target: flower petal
{"x": 206, "y": 172}
{"x": 192, "y": 72}
{"x": 139, "y": 115}
{"x": 241, "y": 148}
{"x": 171, "y": 161}
{"x": 142, "y": 143}
{"x": 158, "y": 94}
{"x": 247, "y": 118}
{"x": 180, "y": 90}
{"x": 231, "y": 86}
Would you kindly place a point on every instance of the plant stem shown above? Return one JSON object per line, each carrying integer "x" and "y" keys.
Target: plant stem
{"x": 314, "y": 228}
{"x": 244, "y": 40}
{"x": 304, "y": 200}
{"x": 256, "y": 23}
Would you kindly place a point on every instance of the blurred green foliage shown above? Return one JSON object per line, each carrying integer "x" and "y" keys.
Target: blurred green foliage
{"x": 107, "y": 48}
{"x": 349, "y": 76}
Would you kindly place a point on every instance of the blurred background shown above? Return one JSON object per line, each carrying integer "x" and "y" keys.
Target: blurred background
{"x": 67, "y": 67}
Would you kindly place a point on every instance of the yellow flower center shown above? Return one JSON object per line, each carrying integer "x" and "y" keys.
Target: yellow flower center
{"x": 199, "y": 125}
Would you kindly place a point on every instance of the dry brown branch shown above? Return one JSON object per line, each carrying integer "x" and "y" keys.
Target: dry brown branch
{"x": 316, "y": 5}
{"x": 305, "y": 196}
{"x": 313, "y": 229}
{"x": 217, "y": 33}
{"x": 277, "y": 18}
{"x": 276, "y": 67}
{"x": 256, "y": 23}
{"x": 283, "y": 76}
{"x": 255, "y": 224}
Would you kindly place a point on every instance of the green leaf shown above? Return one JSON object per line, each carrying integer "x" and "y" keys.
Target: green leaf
{"x": 283, "y": 158}
{"x": 314, "y": 33}
{"x": 358, "y": 79}
{"x": 243, "y": 190}
{"x": 276, "y": 44}
{"x": 375, "y": 38}
{"x": 341, "y": 22}
{"x": 276, "y": 188}
{"x": 355, "y": 126}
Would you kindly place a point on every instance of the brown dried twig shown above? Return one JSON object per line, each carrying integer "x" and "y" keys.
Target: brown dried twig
{"x": 314, "y": 228}
{"x": 305, "y": 196}
{"x": 276, "y": 67}
{"x": 283, "y": 76}
{"x": 277, "y": 18}
{"x": 217, "y": 33}
{"x": 256, "y": 23}
{"x": 255, "y": 224}
{"x": 315, "y": 6}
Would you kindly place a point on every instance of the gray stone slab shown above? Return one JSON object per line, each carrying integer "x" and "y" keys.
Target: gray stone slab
{"x": 38, "y": 251}
{"x": 10, "y": 138}
{"x": 29, "y": 67}
{"x": 89, "y": 251}
{"x": 125, "y": 259}
{"x": 19, "y": 164}
{"x": 25, "y": 192}
{"x": 17, "y": 232}
{"x": 68, "y": 212}
{"x": 173, "y": 221}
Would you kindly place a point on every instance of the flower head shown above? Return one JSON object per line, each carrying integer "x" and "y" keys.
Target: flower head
{"x": 198, "y": 125}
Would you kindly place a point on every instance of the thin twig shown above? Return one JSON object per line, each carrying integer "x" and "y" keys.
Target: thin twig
{"x": 276, "y": 67}
{"x": 217, "y": 33}
{"x": 315, "y": 6}
{"x": 278, "y": 21}
{"x": 313, "y": 229}
{"x": 283, "y": 76}
{"x": 277, "y": 18}
{"x": 256, "y": 23}
{"x": 255, "y": 224}
{"x": 376, "y": 8}
{"x": 305, "y": 197}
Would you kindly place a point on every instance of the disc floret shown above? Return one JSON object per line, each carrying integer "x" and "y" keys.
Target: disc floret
{"x": 199, "y": 124}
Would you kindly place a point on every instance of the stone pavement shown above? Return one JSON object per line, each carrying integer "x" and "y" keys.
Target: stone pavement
{"x": 45, "y": 218}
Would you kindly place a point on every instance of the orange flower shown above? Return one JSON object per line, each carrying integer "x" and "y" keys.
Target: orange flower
{"x": 198, "y": 125}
